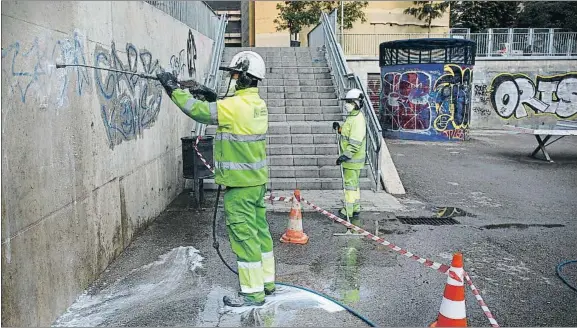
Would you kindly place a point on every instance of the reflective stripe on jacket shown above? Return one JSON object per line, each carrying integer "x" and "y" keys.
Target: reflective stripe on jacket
{"x": 353, "y": 140}
{"x": 240, "y": 141}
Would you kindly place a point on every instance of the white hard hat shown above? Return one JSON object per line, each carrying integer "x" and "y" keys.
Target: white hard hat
{"x": 248, "y": 61}
{"x": 355, "y": 95}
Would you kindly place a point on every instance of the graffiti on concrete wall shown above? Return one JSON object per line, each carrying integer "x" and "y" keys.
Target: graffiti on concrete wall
{"x": 129, "y": 104}
{"x": 178, "y": 64}
{"x": 31, "y": 66}
{"x": 481, "y": 94}
{"x": 517, "y": 95}
{"x": 433, "y": 100}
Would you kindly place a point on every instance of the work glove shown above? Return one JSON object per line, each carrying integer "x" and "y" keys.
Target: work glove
{"x": 168, "y": 81}
{"x": 336, "y": 125}
{"x": 203, "y": 93}
{"x": 341, "y": 159}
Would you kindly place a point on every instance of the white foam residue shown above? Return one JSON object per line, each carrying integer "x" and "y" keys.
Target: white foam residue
{"x": 148, "y": 286}
{"x": 294, "y": 298}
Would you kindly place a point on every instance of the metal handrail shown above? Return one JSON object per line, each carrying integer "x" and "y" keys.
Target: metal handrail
{"x": 346, "y": 80}
{"x": 212, "y": 79}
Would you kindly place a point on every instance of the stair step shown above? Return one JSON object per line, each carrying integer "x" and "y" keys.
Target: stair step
{"x": 299, "y": 95}
{"x": 303, "y": 160}
{"x": 298, "y": 82}
{"x": 296, "y": 127}
{"x": 332, "y": 171}
{"x": 297, "y": 109}
{"x": 304, "y": 117}
{"x": 325, "y": 149}
{"x": 302, "y": 184}
{"x": 292, "y": 70}
{"x": 301, "y": 102}
{"x": 301, "y": 139}
{"x": 283, "y": 89}
{"x": 314, "y": 183}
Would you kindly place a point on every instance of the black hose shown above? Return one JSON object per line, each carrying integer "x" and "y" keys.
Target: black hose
{"x": 214, "y": 239}
{"x": 216, "y": 246}
{"x": 560, "y": 275}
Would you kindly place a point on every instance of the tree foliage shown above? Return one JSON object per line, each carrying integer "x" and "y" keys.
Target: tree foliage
{"x": 295, "y": 15}
{"x": 481, "y": 15}
{"x": 427, "y": 11}
{"x": 548, "y": 14}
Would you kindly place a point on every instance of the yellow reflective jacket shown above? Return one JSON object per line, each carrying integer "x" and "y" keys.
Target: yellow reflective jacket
{"x": 240, "y": 142}
{"x": 353, "y": 140}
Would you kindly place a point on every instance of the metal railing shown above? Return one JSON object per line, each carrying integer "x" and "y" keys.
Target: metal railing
{"x": 213, "y": 79}
{"x": 550, "y": 44}
{"x": 196, "y": 14}
{"x": 345, "y": 80}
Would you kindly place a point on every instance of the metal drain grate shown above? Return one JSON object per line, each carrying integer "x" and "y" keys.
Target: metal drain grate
{"x": 428, "y": 221}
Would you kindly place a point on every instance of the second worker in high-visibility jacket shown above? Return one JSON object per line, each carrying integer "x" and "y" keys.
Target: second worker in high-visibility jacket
{"x": 352, "y": 145}
{"x": 240, "y": 165}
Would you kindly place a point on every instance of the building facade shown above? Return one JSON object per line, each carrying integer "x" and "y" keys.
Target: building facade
{"x": 251, "y": 23}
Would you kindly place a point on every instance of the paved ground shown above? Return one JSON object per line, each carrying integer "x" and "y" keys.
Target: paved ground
{"x": 521, "y": 222}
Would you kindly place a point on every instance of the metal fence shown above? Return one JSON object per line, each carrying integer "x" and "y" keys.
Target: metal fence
{"x": 557, "y": 44}
{"x": 346, "y": 80}
{"x": 196, "y": 14}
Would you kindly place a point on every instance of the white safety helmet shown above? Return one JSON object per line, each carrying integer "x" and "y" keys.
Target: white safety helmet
{"x": 249, "y": 62}
{"x": 356, "y": 96}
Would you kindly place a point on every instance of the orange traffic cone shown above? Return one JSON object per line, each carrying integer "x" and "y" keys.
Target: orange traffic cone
{"x": 453, "y": 312}
{"x": 294, "y": 233}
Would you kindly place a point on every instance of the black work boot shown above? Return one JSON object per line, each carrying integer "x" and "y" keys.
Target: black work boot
{"x": 239, "y": 301}
{"x": 269, "y": 292}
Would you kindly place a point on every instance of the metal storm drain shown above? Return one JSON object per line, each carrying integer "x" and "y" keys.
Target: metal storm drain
{"x": 427, "y": 221}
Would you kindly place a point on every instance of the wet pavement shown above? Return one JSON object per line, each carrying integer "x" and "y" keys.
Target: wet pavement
{"x": 515, "y": 221}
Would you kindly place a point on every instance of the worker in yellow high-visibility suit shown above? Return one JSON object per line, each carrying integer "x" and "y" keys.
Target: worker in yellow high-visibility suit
{"x": 352, "y": 145}
{"x": 240, "y": 164}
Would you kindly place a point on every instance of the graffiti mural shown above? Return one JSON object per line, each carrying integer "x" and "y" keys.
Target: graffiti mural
{"x": 426, "y": 101}
{"x": 129, "y": 104}
{"x": 453, "y": 98}
{"x": 517, "y": 95}
{"x": 31, "y": 66}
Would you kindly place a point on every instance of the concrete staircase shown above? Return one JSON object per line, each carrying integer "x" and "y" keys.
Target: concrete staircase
{"x": 302, "y": 104}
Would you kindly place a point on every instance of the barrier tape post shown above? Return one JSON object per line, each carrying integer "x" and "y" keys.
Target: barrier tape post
{"x": 443, "y": 268}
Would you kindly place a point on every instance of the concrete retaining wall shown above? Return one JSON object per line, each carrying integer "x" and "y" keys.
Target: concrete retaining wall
{"x": 517, "y": 92}
{"x": 88, "y": 157}
{"x": 528, "y": 93}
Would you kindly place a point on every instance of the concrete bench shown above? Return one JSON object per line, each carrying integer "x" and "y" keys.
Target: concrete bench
{"x": 560, "y": 130}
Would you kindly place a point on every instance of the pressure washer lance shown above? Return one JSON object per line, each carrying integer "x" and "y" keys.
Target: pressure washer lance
{"x": 191, "y": 84}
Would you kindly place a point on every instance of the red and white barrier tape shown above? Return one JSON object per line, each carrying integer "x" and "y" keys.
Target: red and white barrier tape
{"x": 481, "y": 302}
{"x": 443, "y": 268}
{"x": 278, "y": 199}
{"x": 200, "y": 155}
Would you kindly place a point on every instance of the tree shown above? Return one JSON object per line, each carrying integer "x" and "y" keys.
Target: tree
{"x": 295, "y": 15}
{"x": 427, "y": 11}
{"x": 481, "y": 15}
{"x": 548, "y": 14}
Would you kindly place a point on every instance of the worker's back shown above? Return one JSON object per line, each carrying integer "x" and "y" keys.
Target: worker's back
{"x": 240, "y": 143}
